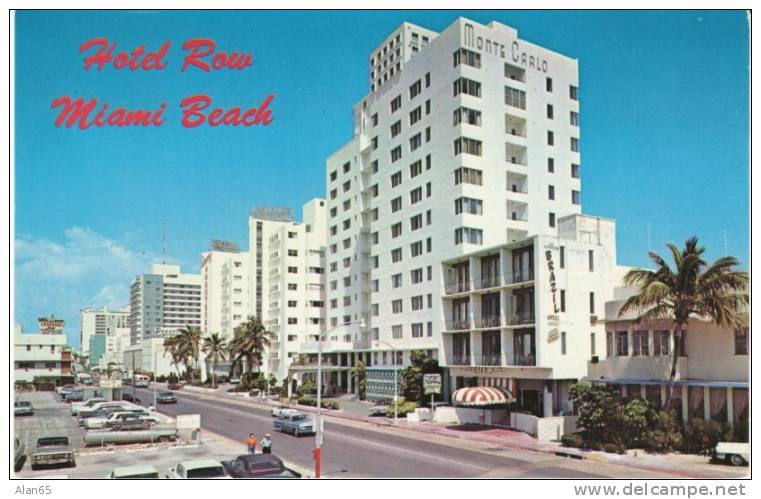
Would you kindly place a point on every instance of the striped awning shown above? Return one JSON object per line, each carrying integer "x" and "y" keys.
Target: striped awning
{"x": 481, "y": 395}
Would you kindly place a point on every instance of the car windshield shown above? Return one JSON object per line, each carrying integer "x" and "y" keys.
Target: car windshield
{"x": 52, "y": 442}
{"x": 208, "y": 472}
{"x": 22, "y": 404}
{"x": 140, "y": 476}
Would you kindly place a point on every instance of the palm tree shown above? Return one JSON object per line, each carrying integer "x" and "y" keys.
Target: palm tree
{"x": 688, "y": 290}
{"x": 189, "y": 344}
{"x": 250, "y": 339}
{"x": 172, "y": 347}
{"x": 215, "y": 348}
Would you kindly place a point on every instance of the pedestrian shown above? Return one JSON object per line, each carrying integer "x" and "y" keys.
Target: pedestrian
{"x": 267, "y": 444}
{"x": 251, "y": 443}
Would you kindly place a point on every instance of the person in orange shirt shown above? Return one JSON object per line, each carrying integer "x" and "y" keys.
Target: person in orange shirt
{"x": 251, "y": 443}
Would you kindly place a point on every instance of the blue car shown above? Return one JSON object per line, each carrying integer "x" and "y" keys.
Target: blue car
{"x": 297, "y": 424}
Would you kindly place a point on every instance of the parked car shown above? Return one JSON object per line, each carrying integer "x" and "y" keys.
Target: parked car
{"x": 87, "y": 404}
{"x": 166, "y": 398}
{"x": 736, "y": 453}
{"x": 65, "y": 390}
{"x": 52, "y": 450}
{"x": 19, "y": 452}
{"x": 282, "y": 410}
{"x": 119, "y": 417}
{"x": 143, "y": 471}
{"x": 234, "y": 380}
{"x": 202, "y": 468}
{"x": 173, "y": 386}
{"x": 130, "y": 433}
{"x": 92, "y": 411}
{"x": 77, "y": 395}
{"x": 258, "y": 466}
{"x": 298, "y": 424}
{"x": 129, "y": 398}
{"x": 23, "y": 408}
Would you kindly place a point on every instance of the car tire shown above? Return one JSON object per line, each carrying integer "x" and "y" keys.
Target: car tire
{"x": 736, "y": 460}
{"x": 163, "y": 438}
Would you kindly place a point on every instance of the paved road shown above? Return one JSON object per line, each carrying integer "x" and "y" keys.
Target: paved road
{"x": 356, "y": 452}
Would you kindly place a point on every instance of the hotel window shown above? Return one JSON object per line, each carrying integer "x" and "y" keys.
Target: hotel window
{"x": 428, "y": 107}
{"x": 416, "y": 195}
{"x": 292, "y": 286}
{"x": 741, "y": 341}
{"x": 347, "y": 205}
{"x": 550, "y": 138}
{"x": 562, "y": 343}
{"x": 396, "y": 230}
{"x": 291, "y": 252}
{"x": 396, "y": 204}
{"x": 427, "y": 161}
{"x": 347, "y": 262}
{"x": 333, "y": 212}
{"x": 293, "y": 270}
{"x": 551, "y": 192}
{"x": 661, "y": 345}
{"x": 396, "y": 103}
{"x": 416, "y": 276}
{"x": 562, "y": 257}
{"x": 466, "y": 86}
{"x": 465, "y": 175}
{"x": 465, "y": 145}
{"x": 374, "y": 238}
{"x": 416, "y": 222}
{"x": 417, "y": 330}
{"x": 468, "y": 205}
{"x": 374, "y": 142}
{"x": 427, "y": 80}
{"x": 468, "y": 235}
{"x": 574, "y": 118}
{"x": 591, "y": 258}
{"x": 333, "y": 175}
{"x": 639, "y": 340}
{"x": 416, "y": 169}
{"x": 515, "y": 98}
{"x": 374, "y": 262}
{"x": 375, "y": 285}
{"x": 552, "y": 220}
{"x": 622, "y": 343}
{"x": 550, "y": 112}
{"x": 468, "y": 116}
{"x": 562, "y": 300}
{"x": 374, "y": 119}
{"x": 375, "y": 309}
{"x": 428, "y": 245}
{"x": 415, "y": 89}
{"x": 396, "y": 255}
{"x": 574, "y": 170}
{"x": 608, "y": 343}
{"x": 417, "y": 303}
{"x": 415, "y": 141}
{"x": 347, "y": 224}
{"x": 374, "y": 166}
{"x": 416, "y": 248}
{"x": 374, "y": 213}
{"x": 550, "y": 165}
{"x": 573, "y": 92}
{"x": 592, "y": 345}
{"x": 396, "y": 306}
{"x": 396, "y": 129}
{"x": 591, "y": 303}
{"x": 548, "y": 84}
{"x": 465, "y": 56}
{"x": 333, "y": 193}
{"x": 429, "y": 328}
{"x": 415, "y": 115}
{"x": 291, "y": 303}
{"x": 428, "y": 189}
{"x": 575, "y": 197}
{"x": 347, "y": 167}
{"x": 396, "y": 153}
{"x": 396, "y": 333}
{"x": 574, "y": 144}
{"x": 427, "y": 134}
{"x": 396, "y": 281}
{"x": 396, "y": 179}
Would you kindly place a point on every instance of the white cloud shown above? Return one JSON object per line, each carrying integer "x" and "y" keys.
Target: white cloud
{"x": 87, "y": 269}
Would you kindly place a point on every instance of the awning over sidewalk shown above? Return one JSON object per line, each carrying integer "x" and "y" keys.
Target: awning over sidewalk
{"x": 481, "y": 395}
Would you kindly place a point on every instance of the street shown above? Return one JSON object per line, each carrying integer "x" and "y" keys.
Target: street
{"x": 352, "y": 452}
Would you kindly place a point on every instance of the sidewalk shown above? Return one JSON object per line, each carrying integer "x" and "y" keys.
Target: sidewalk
{"x": 683, "y": 465}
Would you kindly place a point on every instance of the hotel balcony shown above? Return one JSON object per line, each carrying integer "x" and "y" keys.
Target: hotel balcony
{"x": 488, "y": 322}
{"x": 520, "y": 319}
{"x": 458, "y": 360}
{"x": 455, "y": 287}
{"x": 487, "y": 282}
{"x": 488, "y": 359}
{"x": 518, "y": 278}
{"x": 641, "y": 368}
{"x": 458, "y": 325}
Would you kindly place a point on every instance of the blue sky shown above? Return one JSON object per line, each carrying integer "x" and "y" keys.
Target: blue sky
{"x": 664, "y": 117}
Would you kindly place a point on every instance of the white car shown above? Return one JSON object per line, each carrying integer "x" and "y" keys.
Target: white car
{"x": 283, "y": 410}
{"x": 119, "y": 417}
{"x": 87, "y": 404}
{"x": 134, "y": 472}
{"x": 202, "y": 468}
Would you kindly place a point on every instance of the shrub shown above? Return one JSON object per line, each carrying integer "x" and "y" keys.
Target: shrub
{"x": 700, "y": 437}
{"x": 600, "y": 412}
{"x": 663, "y": 435}
{"x": 572, "y": 440}
{"x": 172, "y": 378}
{"x": 614, "y": 448}
{"x": 325, "y": 403}
{"x": 402, "y": 408}
{"x": 634, "y": 423}
{"x": 161, "y": 379}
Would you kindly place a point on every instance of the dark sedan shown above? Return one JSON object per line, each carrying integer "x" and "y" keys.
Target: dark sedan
{"x": 166, "y": 398}
{"x": 130, "y": 398}
{"x": 259, "y": 466}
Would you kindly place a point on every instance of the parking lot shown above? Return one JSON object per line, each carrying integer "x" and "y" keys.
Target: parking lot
{"x": 52, "y": 417}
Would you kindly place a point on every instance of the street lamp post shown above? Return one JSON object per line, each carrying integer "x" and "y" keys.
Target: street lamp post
{"x": 396, "y": 372}
{"x": 317, "y": 452}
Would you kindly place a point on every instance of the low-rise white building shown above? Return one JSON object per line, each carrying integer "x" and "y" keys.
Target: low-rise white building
{"x": 42, "y": 358}
{"x": 713, "y": 364}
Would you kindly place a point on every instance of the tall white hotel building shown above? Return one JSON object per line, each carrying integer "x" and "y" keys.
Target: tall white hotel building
{"x": 464, "y": 170}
